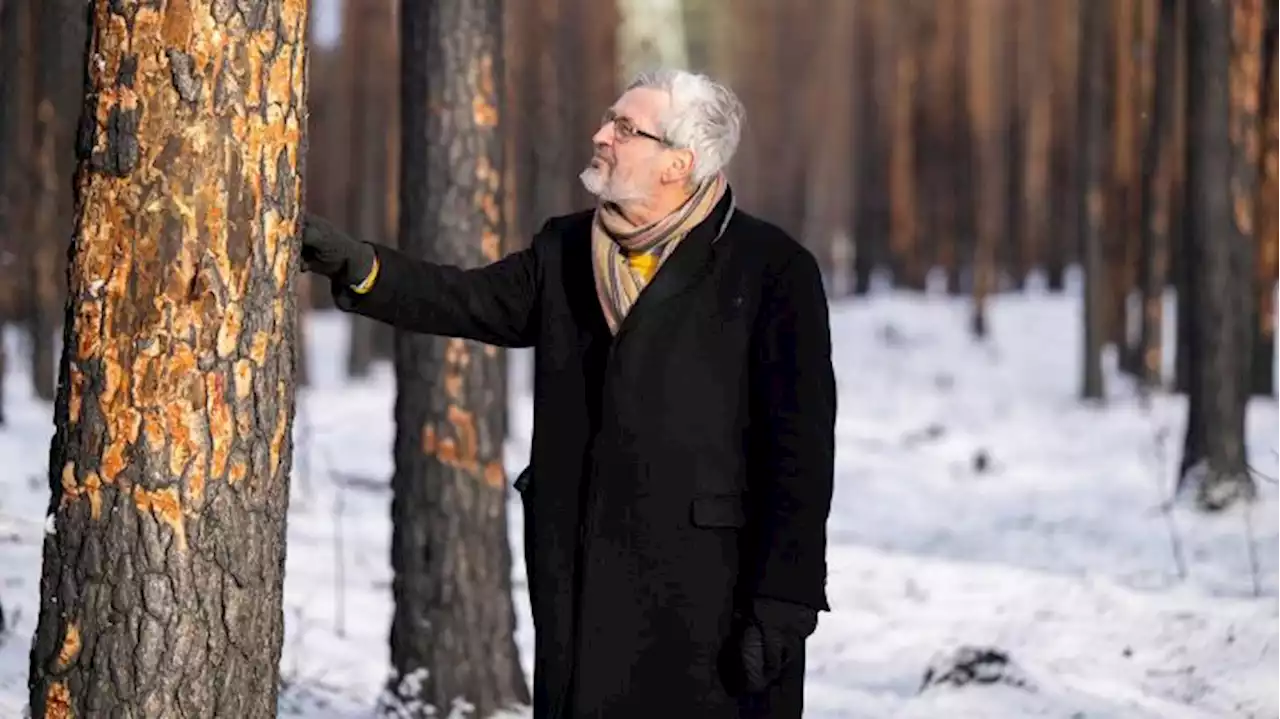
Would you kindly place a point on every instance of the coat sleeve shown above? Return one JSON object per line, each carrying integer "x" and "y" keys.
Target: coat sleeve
{"x": 793, "y": 407}
{"x": 495, "y": 304}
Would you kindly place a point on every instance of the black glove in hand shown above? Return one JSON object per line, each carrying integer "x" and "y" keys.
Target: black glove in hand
{"x": 774, "y": 635}
{"x": 328, "y": 251}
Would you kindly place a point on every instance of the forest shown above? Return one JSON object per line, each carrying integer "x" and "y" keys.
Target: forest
{"x": 159, "y": 345}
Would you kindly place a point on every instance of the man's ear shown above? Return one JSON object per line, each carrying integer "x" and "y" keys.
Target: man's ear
{"x": 680, "y": 169}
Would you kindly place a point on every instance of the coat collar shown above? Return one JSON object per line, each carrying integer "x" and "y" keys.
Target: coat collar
{"x": 687, "y": 263}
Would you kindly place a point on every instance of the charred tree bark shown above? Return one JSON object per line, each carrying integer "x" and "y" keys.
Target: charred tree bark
{"x": 1221, "y": 177}
{"x": 169, "y": 467}
{"x": 1158, "y": 193}
{"x": 1094, "y": 148}
{"x": 452, "y": 633}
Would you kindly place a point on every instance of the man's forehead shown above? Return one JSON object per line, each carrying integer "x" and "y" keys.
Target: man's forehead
{"x": 642, "y": 104}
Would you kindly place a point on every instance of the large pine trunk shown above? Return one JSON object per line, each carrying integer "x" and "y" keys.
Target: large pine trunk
{"x": 1222, "y": 175}
{"x": 169, "y": 467}
{"x": 452, "y": 633}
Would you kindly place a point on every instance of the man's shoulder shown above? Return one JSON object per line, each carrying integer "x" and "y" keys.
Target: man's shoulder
{"x": 564, "y": 226}
{"x": 765, "y": 241}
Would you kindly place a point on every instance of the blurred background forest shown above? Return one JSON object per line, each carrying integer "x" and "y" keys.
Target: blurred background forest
{"x": 967, "y": 146}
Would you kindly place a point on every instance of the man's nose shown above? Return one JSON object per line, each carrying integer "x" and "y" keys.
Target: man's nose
{"x": 603, "y": 136}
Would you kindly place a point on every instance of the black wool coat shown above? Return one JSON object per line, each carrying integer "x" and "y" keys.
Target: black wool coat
{"x": 678, "y": 470}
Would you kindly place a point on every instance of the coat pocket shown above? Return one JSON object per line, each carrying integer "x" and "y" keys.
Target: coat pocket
{"x": 720, "y": 511}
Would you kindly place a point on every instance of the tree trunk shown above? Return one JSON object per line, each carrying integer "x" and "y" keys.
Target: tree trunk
{"x": 1122, "y": 231}
{"x": 1158, "y": 199}
{"x": 169, "y": 467}
{"x": 1264, "y": 348}
{"x": 909, "y": 265}
{"x": 452, "y": 633}
{"x": 1037, "y": 97}
{"x": 1222, "y": 172}
{"x": 870, "y": 208}
{"x": 60, "y": 49}
{"x": 1094, "y": 148}
{"x": 15, "y": 141}
{"x": 987, "y": 108}
{"x": 650, "y": 35}
{"x": 1064, "y": 235}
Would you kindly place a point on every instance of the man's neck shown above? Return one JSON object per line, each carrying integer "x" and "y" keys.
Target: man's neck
{"x": 645, "y": 212}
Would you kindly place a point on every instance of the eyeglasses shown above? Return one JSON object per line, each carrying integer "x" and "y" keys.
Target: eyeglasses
{"x": 624, "y": 129}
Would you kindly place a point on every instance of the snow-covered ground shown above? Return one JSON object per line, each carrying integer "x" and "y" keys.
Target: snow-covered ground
{"x": 1056, "y": 550}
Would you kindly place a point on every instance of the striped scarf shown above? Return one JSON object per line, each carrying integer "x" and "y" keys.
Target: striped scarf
{"x": 625, "y": 257}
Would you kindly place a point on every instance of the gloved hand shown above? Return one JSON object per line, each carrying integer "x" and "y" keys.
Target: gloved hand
{"x": 773, "y": 636}
{"x": 328, "y": 251}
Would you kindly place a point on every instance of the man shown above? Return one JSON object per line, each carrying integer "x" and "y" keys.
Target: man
{"x": 682, "y": 457}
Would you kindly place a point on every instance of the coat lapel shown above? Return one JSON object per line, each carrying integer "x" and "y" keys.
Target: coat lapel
{"x": 688, "y": 263}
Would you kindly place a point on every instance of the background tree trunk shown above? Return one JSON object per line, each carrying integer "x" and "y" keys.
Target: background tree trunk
{"x": 988, "y": 110}
{"x": 1264, "y": 347}
{"x": 60, "y": 49}
{"x": 169, "y": 469}
{"x": 1094, "y": 147}
{"x": 1064, "y": 238}
{"x": 452, "y": 633}
{"x": 1158, "y": 199}
{"x": 1222, "y": 173}
{"x": 16, "y": 74}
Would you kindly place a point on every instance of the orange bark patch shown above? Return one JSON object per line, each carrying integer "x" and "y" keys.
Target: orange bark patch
{"x": 220, "y": 423}
{"x": 494, "y": 476}
{"x": 229, "y": 330}
{"x": 70, "y": 646}
{"x": 164, "y": 507}
{"x": 258, "y": 348}
{"x": 243, "y": 378}
{"x": 70, "y": 488}
{"x": 75, "y": 393}
{"x": 57, "y": 702}
{"x": 490, "y": 245}
{"x": 483, "y": 111}
{"x": 428, "y": 440}
{"x": 89, "y": 331}
{"x": 177, "y": 24}
{"x": 464, "y": 429}
{"x": 92, "y": 487}
{"x": 276, "y": 449}
{"x": 239, "y": 470}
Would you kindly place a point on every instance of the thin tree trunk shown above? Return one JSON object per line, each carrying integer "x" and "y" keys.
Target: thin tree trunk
{"x": 16, "y": 73}
{"x": 60, "y": 47}
{"x": 169, "y": 467}
{"x": 907, "y": 261}
{"x": 1122, "y": 230}
{"x": 1158, "y": 198}
{"x": 870, "y": 221}
{"x": 452, "y": 632}
{"x": 1037, "y": 98}
{"x": 1222, "y": 171}
{"x": 1064, "y": 235}
{"x": 1094, "y": 148}
{"x": 987, "y": 108}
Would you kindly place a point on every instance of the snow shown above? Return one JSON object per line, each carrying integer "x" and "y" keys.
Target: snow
{"x": 978, "y": 502}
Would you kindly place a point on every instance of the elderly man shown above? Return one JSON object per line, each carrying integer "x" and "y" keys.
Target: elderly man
{"x": 682, "y": 458}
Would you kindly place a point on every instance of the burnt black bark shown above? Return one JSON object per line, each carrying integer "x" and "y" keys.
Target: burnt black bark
{"x": 452, "y": 633}
{"x": 1214, "y": 460}
{"x": 169, "y": 467}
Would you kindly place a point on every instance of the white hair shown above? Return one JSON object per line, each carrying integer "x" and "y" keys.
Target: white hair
{"x": 704, "y": 116}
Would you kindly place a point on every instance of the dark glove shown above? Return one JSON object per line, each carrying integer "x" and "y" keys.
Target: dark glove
{"x": 774, "y": 635}
{"x": 328, "y": 251}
